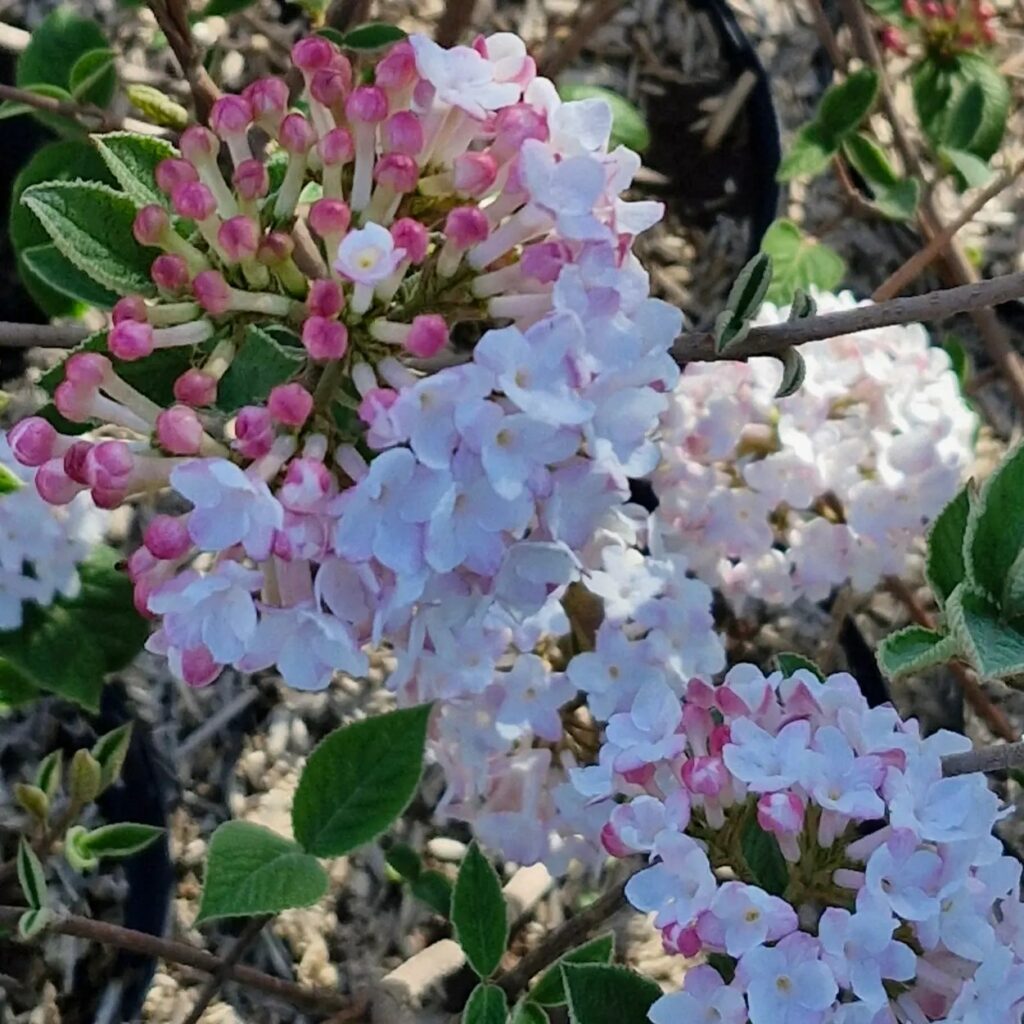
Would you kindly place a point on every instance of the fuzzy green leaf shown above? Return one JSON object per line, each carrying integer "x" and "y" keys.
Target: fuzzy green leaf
{"x": 789, "y": 662}
{"x": 479, "y": 914}
{"x": 359, "y": 780}
{"x": 434, "y": 889}
{"x": 794, "y": 369}
{"x": 912, "y": 650}
{"x": 260, "y": 365}
{"x": 994, "y": 648}
{"x": 374, "y": 35}
{"x": 529, "y": 1013}
{"x": 811, "y": 152}
{"x": 606, "y": 994}
{"x": 110, "y": 751}
{"x": 132, "y": 160}
{"x": 869, "y": 160}
{"x": 846, "y": 104}
{"x": 46, "y": 263}
{"x": 970, "y": 170}
{"x": 32, "y": 922}
{"x": 31, "y": 876}
{"x": 487, "y": 1005}
{"x": 550, "y": 990}
{"x": 50, "y": 773}
{"x": 799, "y": 262}
{"x": 944, "y": 563}
{"x": 120, "y": 840}
{"x": 995, "y": 527}
{"x": 744, "y": 301}
{"x": 93, "y": 77}
{"x": 763, "y": 857}
{"x": 91, "y": 225}
{"x": 252, "y": 870}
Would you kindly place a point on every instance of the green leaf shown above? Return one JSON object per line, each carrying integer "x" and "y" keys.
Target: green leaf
{"x": 802, "y": 306}
{"x": 374, "y": 35}
{"x": 359, "y": 780}
{"x": 606, "y": 994}
{"x": 57, "y": 160}
{"x": 15, "y": 688}
{"x": 529, "y": 1013}
{"x": 959, "y": 359}
{"x": 629, "y": 126}
{"x": 789, "y": 662}
{"x": 799, "y": 262}
{"x": 487, "y": 1005}
{"x": 405, "y": 861}
{"x": 846, "y": 104}
{"x": 222, "y": 8}
{"x": 336, "y": 37}
{"x": 744, "y": 301}
{"x": 9, "y": 483}
{"x": 978, "y": 70}
{"x": 890, "y": 10}
{"x": 434, "y": 889}
{"x": 157, "y": 107}
{"x": 93, "y": 77}
{"x": 132, "y": 160}
{"x": 479, "y": 914}
{"x": 811, "y": 152}
{"x": 31, "y": 876}
{"x": 251, "y": 870}
{"x": 91, "y": 225}
{"x": 869, "y": 160}
{"x": 794, "y": 369}
{"x": 15, "y": 108}
{"x": 70, "y": 646}
{"x": 763, "y": 857}
{"x": 912, "y": 650}
{"x": 260, "y": 365}
{"x": 120, "y": 840}
{"x": 995, "y": 527}
{"x": 550, "y": 990}
{"x": 993, "y": 648}
{"x": 971, "y": 171}
{"x": 46, "y": 263}
{"x": 32, "y": 922}
{"x": 110, "y": 750}
{"x": 964, "y": 117}
{"x": 944, "y": 562}
{"x": 50, "y": 772}
{"x": 932, "y": 84}
{"x": 1012, "y": 602}
{"x": 53, "y": 50}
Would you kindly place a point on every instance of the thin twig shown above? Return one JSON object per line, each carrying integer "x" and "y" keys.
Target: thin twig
{"x": 587, "y": 22}
{"x": 212, "y": 986}
{"x": 698, "y": 346}
{"x": 41, "y": 335}
{"x": 173, "y": 18}
{"x": 973, "y": 691}
{"x": 87, "y": 113}
{"x": 923, "y": 258}
{"x": 316, "y": 999}
{"x": 1000, "y": 757}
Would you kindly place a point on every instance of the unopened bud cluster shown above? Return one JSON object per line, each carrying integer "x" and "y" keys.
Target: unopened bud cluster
{"x": 943, "y": 27}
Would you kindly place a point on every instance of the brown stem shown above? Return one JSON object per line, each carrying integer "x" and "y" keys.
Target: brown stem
{"x": 41, "y": 335}
{"x": 562, "y": 939}
{"x": 973, "y": 691}
{"x": 1000, "y": 757}
{"x": 316, "y": 999}
{"x": 94, "y": 117}
{"x": 698, "y": 346}
{"x": 587, "y": 22}
{"x": 173, "y": 18}
{"x": 455, "y": 19}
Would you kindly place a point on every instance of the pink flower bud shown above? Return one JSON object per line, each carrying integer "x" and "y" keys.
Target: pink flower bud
{"x": 212, "y": 292}
{"x": 720, "y": 736}
{"x": 88, "y": 369}
{"x": 375, "y": 402}
{"x": 330, "y": 86}
{"x": 276, "y": 247}
{"x": 290, "y": 404}
{"x": 931, "y": 8}
{"x": 367, "y": 104}
{"x": 474, "y": 173}
{"x": 151, "y": 225}
{"x": 33, "y": 441}
{"x": 268, "y": 98}
{"x": 411, "y": 236}
{"x": 911, "y": 8}
{"x": 53, "y": 485}
{"x": 514, "y": 125}
{"x": 140, "y": 562}
{"x": 172, "y": 172}
{"x": 707, "y": 776}
{"x": 296, "y": 135}
{"x": 179, "y": 431}
{"x": 329, "y": 217}
{"x": 314, "y": 52}
{"x": 325, "y": 298}
{"x": 544, "y": 261}
{"x": 74, "y": 461}
{"x": 108, "y": 465}
{"x": 198, "y": 667}
{"x": 193, "y": 200}
{"x": 428, "y": 336}
{"x": 73, "y": 401}
{"x": 195, "y": 388}
{"x": 251, "y": 180}
{"x": 131, "y": 340}
{"x": 397, "y": 171}
{"x": 170, "y": 272}
{"x": 239, "y": 237}
{"x": 466, "y": 226}
{"x": 682, "y": 941}
{"x": 612, "y": 844}
{"x": 403, "y": 133}
{"x": 254, "y": 432}
{"x": 397, "y": 69}
{"x": 640, "y": 775}
{"x": 780, "y": 813}
{"x": 306, "y": 483}
{"x": 198, "y": 144}
{"x": 336, "y": 147}
{"x": 324, "y": 339}
{"x": 231, "y": 115}
{"x": 131, "y": 307}
{"x": 167, "y": 537}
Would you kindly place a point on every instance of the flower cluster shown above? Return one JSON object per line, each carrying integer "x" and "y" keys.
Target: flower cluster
{"x": 891, "y": 899}
{"x": 778, "y": 499}
{"x": 40, "y": 547}
{"x": 944, "y": 28}
{"x": 429, "y": 190}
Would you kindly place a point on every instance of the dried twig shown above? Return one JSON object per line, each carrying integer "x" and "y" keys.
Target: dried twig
{"x": 87, "y": 113}
{"x": 698, "y": 346}
{"x": 1000, "y": 757}
{"x": 315, "y": 999}
{"x": 241, "y": 945}
{"x": 455, "y": 20}
{"x": 587, "y": 22}
{"x": 41, "y": 335}
{"x": 973, "y": 691}
{"x": 173, "y": 18}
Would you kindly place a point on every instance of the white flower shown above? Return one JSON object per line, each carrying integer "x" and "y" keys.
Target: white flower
{"x": 462, "y": 78}
{"x": 368, "y": 255}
